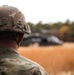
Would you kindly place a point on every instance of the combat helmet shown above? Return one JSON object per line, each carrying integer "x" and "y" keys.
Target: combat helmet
{"x": 12, "y": 19}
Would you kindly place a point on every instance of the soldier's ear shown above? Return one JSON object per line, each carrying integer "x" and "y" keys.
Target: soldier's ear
{"x": 20, "y": 38}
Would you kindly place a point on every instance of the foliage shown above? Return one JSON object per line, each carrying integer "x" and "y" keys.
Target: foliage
{"x": 64, "y": 30}
{"x": 55, "y": 59}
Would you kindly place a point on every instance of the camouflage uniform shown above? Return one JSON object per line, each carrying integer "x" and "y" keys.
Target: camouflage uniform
{"x": 11, "y": 62}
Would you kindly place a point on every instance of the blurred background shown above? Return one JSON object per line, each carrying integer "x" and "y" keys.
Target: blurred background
{"x": 51, "y": 42}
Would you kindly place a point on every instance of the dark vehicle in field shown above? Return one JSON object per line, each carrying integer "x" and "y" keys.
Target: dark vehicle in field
{"x": 41, "y": 40}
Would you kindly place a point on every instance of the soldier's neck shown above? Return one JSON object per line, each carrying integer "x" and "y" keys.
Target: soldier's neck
{"x": 8, "y": 44}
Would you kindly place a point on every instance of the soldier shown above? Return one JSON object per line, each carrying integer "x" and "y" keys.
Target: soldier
{"x": 12, "y": 29}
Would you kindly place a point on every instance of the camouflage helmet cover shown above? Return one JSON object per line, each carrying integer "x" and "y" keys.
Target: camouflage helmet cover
{"x": 11, "y": 19}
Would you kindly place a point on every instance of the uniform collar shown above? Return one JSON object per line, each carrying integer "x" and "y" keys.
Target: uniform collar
{"x": 4, "y": 51}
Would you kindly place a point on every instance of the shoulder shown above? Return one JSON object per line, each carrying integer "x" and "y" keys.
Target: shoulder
{"x": 33, "y": 68}
{"x": 33, "y": 71}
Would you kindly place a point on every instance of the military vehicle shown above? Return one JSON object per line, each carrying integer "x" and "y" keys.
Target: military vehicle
{"x": 41, "y": 40}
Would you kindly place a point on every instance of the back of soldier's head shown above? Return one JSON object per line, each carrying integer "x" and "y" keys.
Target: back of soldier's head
{"x": 12, "y": 23}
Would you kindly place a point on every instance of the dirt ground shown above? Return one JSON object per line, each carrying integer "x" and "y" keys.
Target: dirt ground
{"x": 52, "y": 58}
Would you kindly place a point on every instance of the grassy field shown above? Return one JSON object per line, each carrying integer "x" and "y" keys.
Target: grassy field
{"x": 58, "y": 60}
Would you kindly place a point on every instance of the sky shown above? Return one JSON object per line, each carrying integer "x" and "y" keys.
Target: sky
{"x": 47, "y": 11}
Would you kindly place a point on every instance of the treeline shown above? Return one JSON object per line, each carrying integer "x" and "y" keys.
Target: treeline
{"x": 64, "y": 31}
